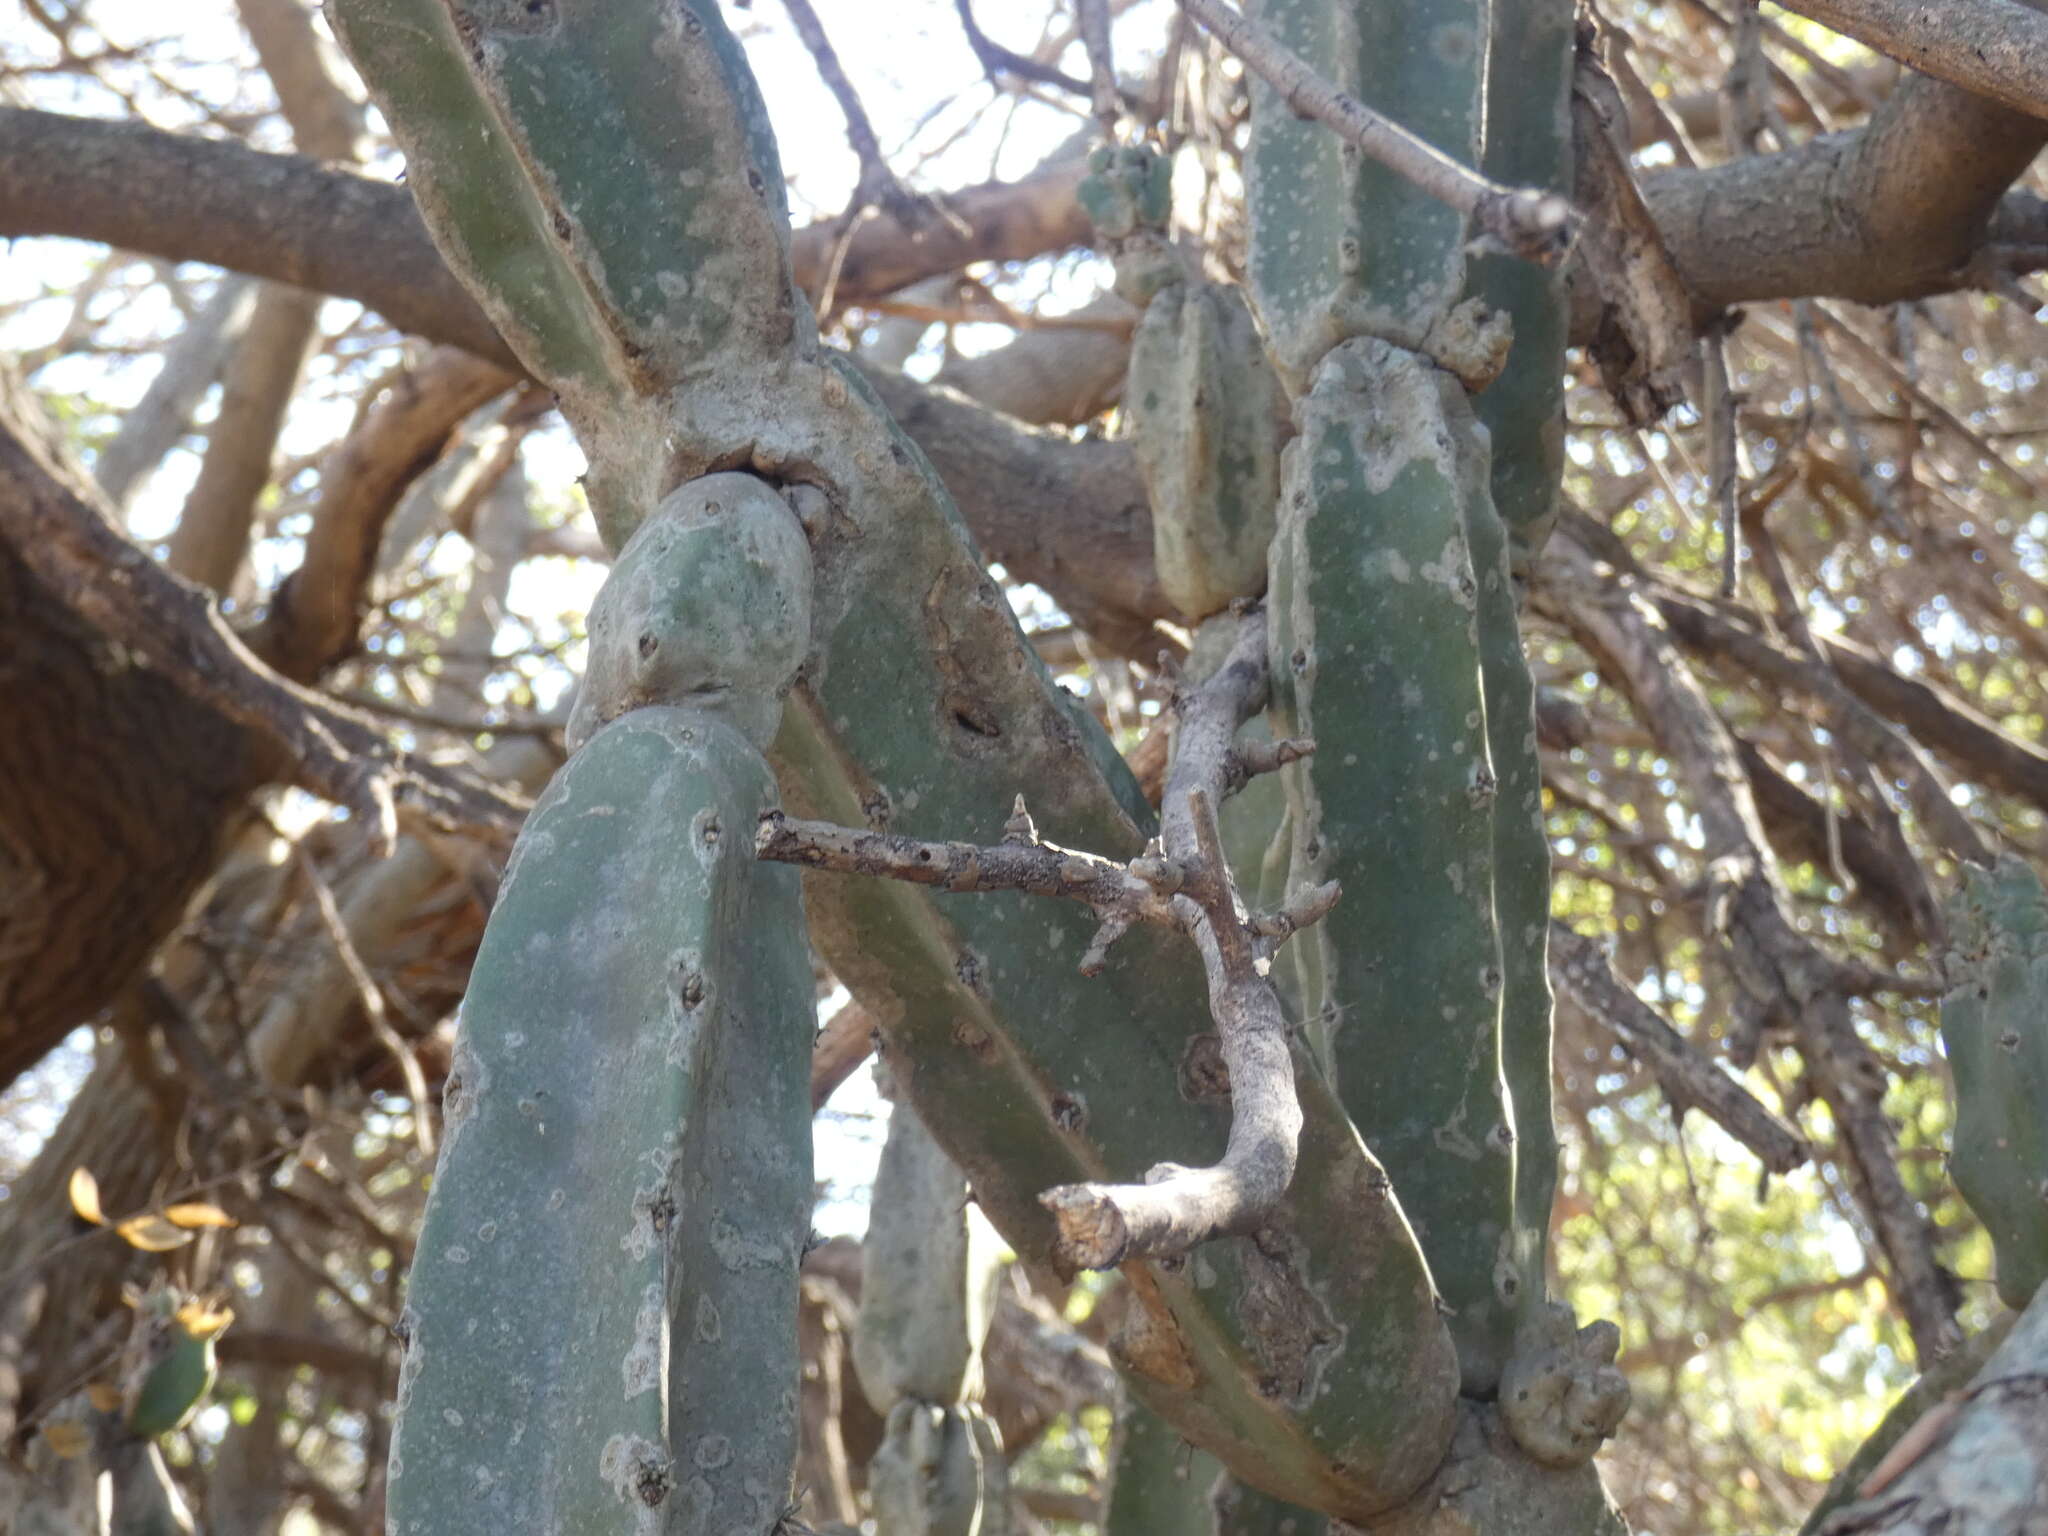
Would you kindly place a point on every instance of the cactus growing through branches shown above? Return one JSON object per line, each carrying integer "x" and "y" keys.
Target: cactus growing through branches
{"x": 1334, "y": 1259}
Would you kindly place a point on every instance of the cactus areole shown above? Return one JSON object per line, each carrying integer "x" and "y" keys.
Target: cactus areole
{"x": 602, "y": 1311}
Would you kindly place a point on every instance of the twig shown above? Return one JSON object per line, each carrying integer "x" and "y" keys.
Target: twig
{"x": 1181, "y": 882}
{"x": 1104, "y": 1224}
{"x": 998, "y": 60}
{"x": 1781, "y": 973}
{"x": 1535, "y": 225}
{"x": 1093, "y": 16}
{"x": 62, "y": 529}
{"x": 372, "y": 998}
{"x": 879, "y": 186}
{"x": 1721, "y": 409}
{"x": 1580, "y": 971}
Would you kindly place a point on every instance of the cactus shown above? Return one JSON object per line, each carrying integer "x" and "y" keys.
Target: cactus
{"x": 602, "y": 1314}
{"x": 927, "y": 1297}
{"x": 1159, "y": 1483}
{"x": 1994, "y": 1024}
{"x": 1202, "y": 406}
{"x": 1528, "y": 143}
{"x": 1396, "y": 647}
{"x": 601, "y": 174}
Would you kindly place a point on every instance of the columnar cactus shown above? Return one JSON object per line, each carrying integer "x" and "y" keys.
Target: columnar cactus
{"x": 601, "y": 174}
{"x": 1994, "y": 1024}
{"x": 1394, "y": 645}
{"x": 602, "y": 1313}
{"x": 927, "y": 1298}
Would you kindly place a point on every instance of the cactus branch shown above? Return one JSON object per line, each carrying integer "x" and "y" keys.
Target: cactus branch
{"x": 1535, "y": 225}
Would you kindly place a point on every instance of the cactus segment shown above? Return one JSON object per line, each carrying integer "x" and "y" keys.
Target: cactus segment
{"x": 603, "y": 1306}
{"x": 1342, "y": 247}
{"x": 921, "y": 1324}
{"x": 1521, "y": 890}
{"x": 1205, "y": 412}
{"x": 1994, "y": 1026}
{"x": 939, "y": 1472}
{"x": 1159, "y": 1484}
{"x": 1375, "y": 641}
{"x": 603, "y": 177}
{"x": 1202, "y": 407}
{"x": 710, "y": 605}
{"x": 683, "y": 243}
{"x": 1242, "y": 1511}
{"x": 928, "y": 1291}
{"x": 483, "y": 213}
{"x": 1528, "y": 144}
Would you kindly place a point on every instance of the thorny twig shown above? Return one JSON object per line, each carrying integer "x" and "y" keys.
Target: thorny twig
{"x": 1182, "y": 881}
{"x": 1534, "y": 225}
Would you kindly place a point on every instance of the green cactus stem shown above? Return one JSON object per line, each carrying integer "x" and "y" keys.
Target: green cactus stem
{"x": 1528, "y": 144}
{"x": 1159, "y": 1483}
{"x": 1994, "y": 1026}
{"x": 602, "y": 1312}
{"x": 1521, "y": 891}
{"x": 1375, "y": 639}
{"x": 928, "y": 1292}
{"x": 1342, "y": 246}
{"x": 1203, "y": 408}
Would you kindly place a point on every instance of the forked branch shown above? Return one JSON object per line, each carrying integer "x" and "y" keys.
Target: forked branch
{"x": 1181, "y": 881}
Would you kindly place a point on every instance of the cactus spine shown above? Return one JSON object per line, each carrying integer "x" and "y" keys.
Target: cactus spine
{"x": 1994, "y": 1024}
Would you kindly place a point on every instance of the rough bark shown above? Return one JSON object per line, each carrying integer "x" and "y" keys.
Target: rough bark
{"x": 113, "y": 791}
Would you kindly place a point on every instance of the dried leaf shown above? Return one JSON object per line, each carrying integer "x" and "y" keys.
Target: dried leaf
{"x": 85, "y": 1196}
{"x": 202, "y": 1321}
{"x": 152, "y": 1234}
{"x": 69, "y": 1439}
{"x": 197, "y": 1213}
{"x": 102, "y": 1396}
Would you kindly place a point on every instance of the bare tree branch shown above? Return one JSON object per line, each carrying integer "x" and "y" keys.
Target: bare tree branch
{"x": 1994, "y": 48}
{"x": 1184, "y": 882}
{"x": 60, "y": 527}
{"x": 1580, "y": 971}
{"x": 1778, "y": 969}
